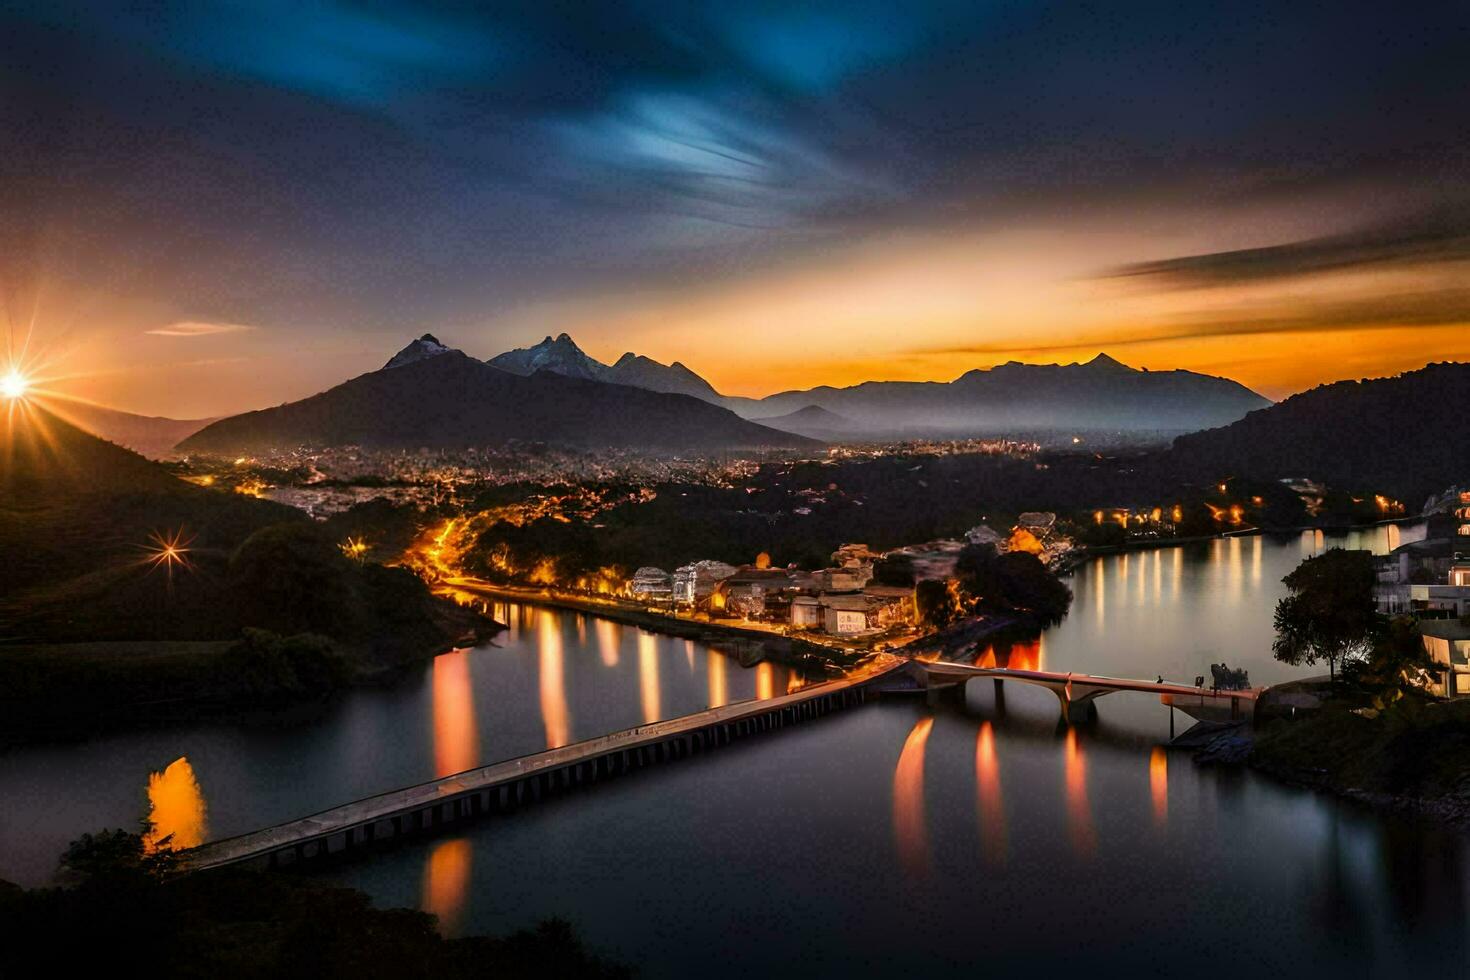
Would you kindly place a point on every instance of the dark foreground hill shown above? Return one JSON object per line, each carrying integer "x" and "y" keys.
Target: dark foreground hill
{"x": 1406, "y": 436}
{"x": 255, "y": 603}
{"x": 454, "y": 401}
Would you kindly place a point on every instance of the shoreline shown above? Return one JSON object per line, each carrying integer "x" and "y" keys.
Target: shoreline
{"x": 783, "y": 648}
{"x": 1088, "y": 552}
{"x": 204, "y": 699}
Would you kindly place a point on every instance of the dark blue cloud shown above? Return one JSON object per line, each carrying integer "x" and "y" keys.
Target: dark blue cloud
{"x": 366, "y": 163}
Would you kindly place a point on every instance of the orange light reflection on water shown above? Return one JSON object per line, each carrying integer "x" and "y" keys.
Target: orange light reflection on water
{"x": 456, "y": 740}
{"x": 1079, "y": 812}
{"x": 648, "y": 685}
{"x": 609, "y": 636}
{"x": 555, "y": 714}
{"x": 988, "y": 799}
{"x": 715, "y": 665}
{"x": 1158, "y": 783}
{"x": 910, "y": 833}
{"x": 765, "y": 680}
{"x": 176, "y": 807}
{"x": 447, "y": 882}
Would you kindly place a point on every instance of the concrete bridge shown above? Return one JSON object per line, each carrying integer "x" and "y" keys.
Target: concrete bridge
{"x": 428, "y": 807}
{"x": 1077, "y": 692}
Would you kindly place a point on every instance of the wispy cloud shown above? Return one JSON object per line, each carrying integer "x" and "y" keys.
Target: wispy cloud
{"x": 197, "y": 328}
{"x": 1441, "y": 237}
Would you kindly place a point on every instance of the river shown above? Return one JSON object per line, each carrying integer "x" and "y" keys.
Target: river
{"x": 890, "y": 838}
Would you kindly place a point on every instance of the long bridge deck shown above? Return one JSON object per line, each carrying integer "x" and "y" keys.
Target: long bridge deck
{"x": 506, "y": 785}
{"x": 1074, "y": 689}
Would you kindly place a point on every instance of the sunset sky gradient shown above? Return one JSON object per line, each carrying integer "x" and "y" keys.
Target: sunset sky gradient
{"x": 210, "y": 207}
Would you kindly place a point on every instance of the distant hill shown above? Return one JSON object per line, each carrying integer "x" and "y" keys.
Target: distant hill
{"x": 451, "y": 400}
{"x": 1102, "y": 395}
{"x": 814, "y": 422}
{"x": 1406, "y": 436}
{"x": 152, "y": 436}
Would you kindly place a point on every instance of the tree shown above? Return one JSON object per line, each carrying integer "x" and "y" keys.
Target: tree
{"x": 1328, "y": 613}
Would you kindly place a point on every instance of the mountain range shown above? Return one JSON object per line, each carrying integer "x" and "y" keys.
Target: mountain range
{"x": 1100, "y": 395}
{"x": 429, "y": 395}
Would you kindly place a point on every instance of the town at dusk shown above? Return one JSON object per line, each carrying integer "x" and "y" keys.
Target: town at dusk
{"x": 775, "y": 489}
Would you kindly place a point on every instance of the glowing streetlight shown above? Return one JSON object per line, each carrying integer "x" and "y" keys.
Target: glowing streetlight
{"x": 14, "y": 385}
{"x": 169, "y": 550}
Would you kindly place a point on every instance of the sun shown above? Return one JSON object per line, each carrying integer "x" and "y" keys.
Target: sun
{"x": 14, "y": 384}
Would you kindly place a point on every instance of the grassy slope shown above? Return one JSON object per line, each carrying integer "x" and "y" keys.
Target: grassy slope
{"x": 88, "y": 628}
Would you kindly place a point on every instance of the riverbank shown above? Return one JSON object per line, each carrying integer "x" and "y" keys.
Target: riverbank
{"x": 749, "y": 644}
{"x": 1409, "y": 758}
{"x": 58, "y": 690}
{"x": 1080, "y": 556}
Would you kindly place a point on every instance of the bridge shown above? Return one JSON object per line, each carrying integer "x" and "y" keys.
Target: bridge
{"x": 425, "y": 808}
{"x": 1077, "y": 692}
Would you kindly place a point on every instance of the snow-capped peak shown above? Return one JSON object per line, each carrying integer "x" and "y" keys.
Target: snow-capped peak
{"x": 426, "y": 346}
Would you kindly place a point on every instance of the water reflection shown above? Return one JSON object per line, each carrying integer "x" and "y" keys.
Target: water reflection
{"x": 1158, "y": 783}
{"x": 765, "y": 680}
{"x": 988, "y": 800}
{"x": 1079, "y": 811}
{"x": 447, "y": 882}
{"x": 715, "y": 664}
{"x": 648, "y": 688}
{"x": 909, "y": 831}
{"x": 176, "y": 809}
{"x": 555, "y": 714}
{"x": 609, "y": 638}
{"x": 456, "y": 741}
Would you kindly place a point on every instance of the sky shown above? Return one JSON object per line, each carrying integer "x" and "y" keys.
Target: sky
{"x": 212, "y": 206}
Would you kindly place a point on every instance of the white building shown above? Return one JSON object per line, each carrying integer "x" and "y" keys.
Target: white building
{"x": 693, "y": 583}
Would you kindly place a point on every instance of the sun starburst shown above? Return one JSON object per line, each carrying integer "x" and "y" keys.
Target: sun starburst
{"x": 169, "y": 550}
{"x": 14, "y": 385}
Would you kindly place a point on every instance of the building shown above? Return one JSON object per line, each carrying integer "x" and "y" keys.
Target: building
{"x": 1038, "y": 522}
{"x": 1462, "y": 526}
{"x": 985, "y": 534}
{"x": 747, "y": 593}
{"x": 651, "y": 584}
{"x": 806, "y": 612}
{"x": 933, "y": 559}
{"x": 1447, "y": 641}
{"x": 693, "y": 584}
{"x": 844, "y": 615}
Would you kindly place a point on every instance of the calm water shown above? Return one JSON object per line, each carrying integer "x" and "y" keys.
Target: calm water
{"x": 891, "y": 838}
{"x": 551, "y": 679}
